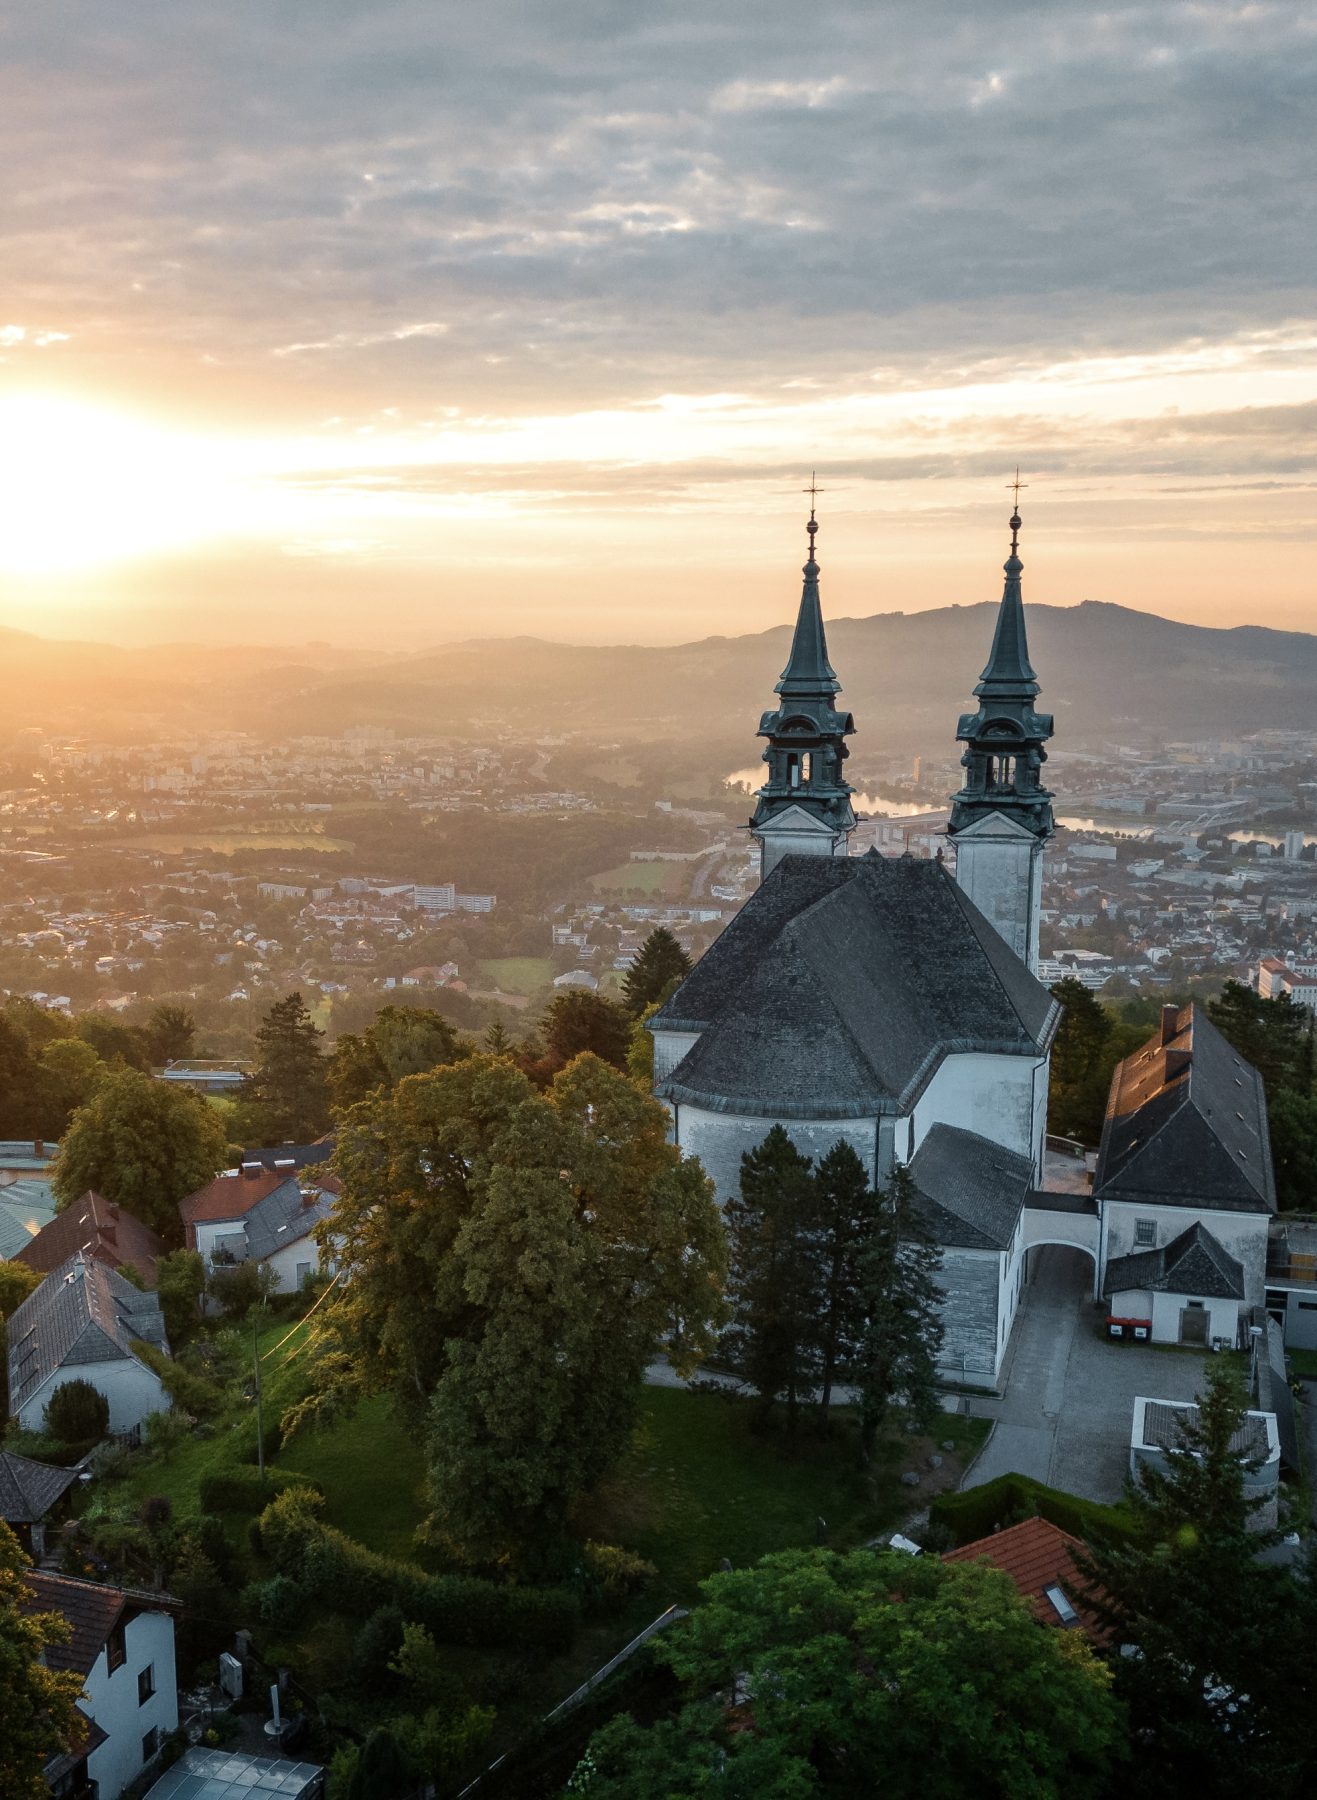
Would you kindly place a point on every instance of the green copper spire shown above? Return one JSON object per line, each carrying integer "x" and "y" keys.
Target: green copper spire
{"x": 804, "y": 805}
{"x": 1004, "y": 739}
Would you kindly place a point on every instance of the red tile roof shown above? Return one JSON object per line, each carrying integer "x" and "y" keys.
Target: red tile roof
{"x": 1036, "y": 1555}
{"x": 97, "y": 1228}
{"x": 91, "y": 1609}
{"x": 231, "y": 1196}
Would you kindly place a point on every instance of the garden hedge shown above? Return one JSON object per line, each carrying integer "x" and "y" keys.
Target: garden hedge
{"x": 245, "y": 1490}
{"x": 979, "y": 1511}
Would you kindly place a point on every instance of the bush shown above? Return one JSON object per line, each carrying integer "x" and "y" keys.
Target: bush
{"x": 189, "y": 1391}
{"x": 110, "y": 1461}
{"x": 77, "y": 1411}
{"x": 980, "y": 1511}
{"x": 244, "y": 1490}
{"x": 617, "y": 1573}
{"x": 374, "y": 1648}
{"x": 157, "y": 1511}
{"x": 279, "y": 1603}
{"x": 241, "y": 1286}
{"x": 457, "y": 1609}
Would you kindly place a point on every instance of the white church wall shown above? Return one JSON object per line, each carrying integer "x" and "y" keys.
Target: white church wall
{"x": 1001, "y": 871}
{"x": 721, "y": 1139}
{"x": 992, "y": 1095}
{"x": 669, "y": 1048}
{"x": 1244, "y": 1235}
{"x": 1010, "y": 1285}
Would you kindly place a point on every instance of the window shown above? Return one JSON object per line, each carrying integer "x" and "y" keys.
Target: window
{"x": 303, "y": 1274}
{"x": 1145, "y": 1232}
{"x": 116, "y": 1651}
{"x": 149, "y": 1744}
{"x": 146, "y": 1684}
{"x": 1064, "y": 1611}
{"x": 807, "y": 766}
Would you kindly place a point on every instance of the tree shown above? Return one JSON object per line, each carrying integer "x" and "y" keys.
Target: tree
{"x": 21, "y": 1098}
{"x": 901, "y": 1335}
{"x": 400, "y": 1041}
{"x": 68, "y": 1071}
{"x": 577, "y": 1023}
{"x": 1219, "y": 1687}
{"x": 144, "y": 1145}
{"x": 1292, "y": 1118}
{"x": 659, "y": 965}
{"x": 1079, "y": 1073}
{"x": 1271, "y": 1034}
{"x": 846, "y": 1217}
{"x": 17, "y": 1281}
{"x": 773, "y": 1280}
{"x": 113, "y": 1041}
{"x": 180, "y": 1281}
{"x": 38, "y": 1716}
{"x": 286, "y": 1095}
{"x": 381, "y": 1772}
{"x": 77, "y": 1412}
{"x": 868, "y": 1673}
{"x": 516, "y": 1261}
{"x": 170, "y": 1033}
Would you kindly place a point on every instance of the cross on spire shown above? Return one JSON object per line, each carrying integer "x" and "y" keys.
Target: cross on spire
{"x": 814, "y": 489}
{"x": 1014, "y": 487}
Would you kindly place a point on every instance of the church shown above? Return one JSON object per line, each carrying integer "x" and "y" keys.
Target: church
{"x": 895, "y": 1005}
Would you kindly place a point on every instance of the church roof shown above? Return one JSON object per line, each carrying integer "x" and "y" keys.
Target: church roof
{"x": 971, "y": 1190}
{"x": 1186, "y": 1123}
{"x": 841, "y": 985}
{"x": 1193, "y": 1263}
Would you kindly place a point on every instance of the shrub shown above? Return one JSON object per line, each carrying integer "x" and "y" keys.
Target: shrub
{"x": 110, "y": 1461}
{"x": 617, "y": 1573}
{"x": 980, "y": 1511}
{"x": 187, "y": 1389}
{"x": 289, "y": 1525}
{"x": 157, "y": 1511}
{"x": 165, "y": 1431}
{"x": 239, "y": 1288}
{"x": 373, "y": 1650}
{"x": 244, "y": 1490}
{"x": 77, "y": 1411}
{"x": 279, "y": 1602}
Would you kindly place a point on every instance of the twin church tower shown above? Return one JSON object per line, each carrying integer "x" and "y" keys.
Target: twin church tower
{"x": 1000, "y": 819}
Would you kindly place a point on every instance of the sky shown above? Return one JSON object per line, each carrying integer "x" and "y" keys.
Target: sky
{"x": 394, "y": 322}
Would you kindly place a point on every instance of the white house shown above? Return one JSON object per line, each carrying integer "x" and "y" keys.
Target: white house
{"x": 259, "y": 1214}
{"x": 122, "y": 1645}
{"x": 80, "y": 1325}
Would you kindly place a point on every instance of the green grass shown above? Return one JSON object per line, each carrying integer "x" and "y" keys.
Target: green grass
{"x": 670, "y": 878}
{"x": 372, "y": 1471}
{"x": 278, "y": 837}
{"x": 517, "y": 974}
{"x": 698, "y": 1484}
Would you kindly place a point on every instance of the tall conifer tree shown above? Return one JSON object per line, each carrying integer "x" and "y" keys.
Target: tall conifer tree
{"x": 773, "y": 1282}
{"x": 846, "y": 1216}
{"x": 287, "y": 1091}
{"x": 659, "y": 965}
{"x": 902, "y": 1332}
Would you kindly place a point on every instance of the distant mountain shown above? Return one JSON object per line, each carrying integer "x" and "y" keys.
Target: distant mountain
{"x": 1108, "y": 673}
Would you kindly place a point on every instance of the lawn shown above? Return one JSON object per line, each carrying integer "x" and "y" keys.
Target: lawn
{"x": 517, "y": 974}
{"x": 372, "y": 1471}
{"x": 277, "y": 837}
{"x": 672, "y": 879}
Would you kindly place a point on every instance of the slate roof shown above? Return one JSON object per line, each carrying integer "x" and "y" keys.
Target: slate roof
{"x": 839, "y": 987}
{"x": 98, "y": 1228}
{"x": 82, "y": 1313}
{"x": 1186, "y": 1124}
{"x": 972, "y": 1191}
{"x": 1193, "y": 1263}
{"x": 291, "y": 1156}
{"x": 29, "y": 1489}
{"x": 284, "y": 1216}
{"x": 1036, "y": 1555}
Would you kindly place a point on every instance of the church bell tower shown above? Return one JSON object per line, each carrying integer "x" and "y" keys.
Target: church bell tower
{"x": 805, "y": 804}
{"x": 1002, "y": 816}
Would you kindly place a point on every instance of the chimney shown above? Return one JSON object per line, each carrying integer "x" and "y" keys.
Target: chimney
{"x": 1170, "y": 1023}
{"x": 38, "y": 1147}
{"x": 1177, "y": 1061}
{"x": 252, "y": 1171}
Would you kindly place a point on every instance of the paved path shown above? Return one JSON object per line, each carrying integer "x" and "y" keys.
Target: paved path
{"x": 1065, "y": 1413}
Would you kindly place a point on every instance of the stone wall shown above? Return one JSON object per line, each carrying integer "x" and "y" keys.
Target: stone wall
{"x": 970, "y": 1280}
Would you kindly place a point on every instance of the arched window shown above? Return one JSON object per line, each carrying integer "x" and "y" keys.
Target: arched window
{"x": 807, "y": 766}
{"x": 793, "y": 770}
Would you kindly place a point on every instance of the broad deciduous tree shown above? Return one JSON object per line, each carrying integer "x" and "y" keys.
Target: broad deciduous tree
{"x": 38, "y": 1717}
{"x": 399, "y": 1041}
{"x": 144, "y": 1145}
{"x": 813, "y": 1673}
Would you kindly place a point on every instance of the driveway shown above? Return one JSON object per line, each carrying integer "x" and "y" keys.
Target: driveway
{"x": 1068, "y": 1402}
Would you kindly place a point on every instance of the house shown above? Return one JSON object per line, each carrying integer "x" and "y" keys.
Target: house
{"x": 1184, "y": 1186}
{"x": 122, "y": 1645}
{"x": 26, "y": 1205}
{"x": 80, "y": 1324}
{"x": 1040, "y": 1559}
{"x": 290, "y": 1156}
{"x": 96, "y": 1227}
{"x": 256, "y": 1214}
{"x": 28, "y": 1491}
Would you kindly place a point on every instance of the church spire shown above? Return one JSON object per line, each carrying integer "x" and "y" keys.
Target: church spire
{"x": 804, "y": 805}
{"x": 1002, "y": 815}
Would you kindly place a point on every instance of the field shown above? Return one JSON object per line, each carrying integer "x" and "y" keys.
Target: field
{"x": 517, "y": 974}
{"x": 670, "y": 879}
{"x": 276, "y": 837}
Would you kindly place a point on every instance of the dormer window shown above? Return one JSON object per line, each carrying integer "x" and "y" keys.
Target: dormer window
{"x": 116, "y": 1649}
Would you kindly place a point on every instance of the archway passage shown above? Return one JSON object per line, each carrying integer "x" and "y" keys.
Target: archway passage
{"x": 1065, "y": 1221}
